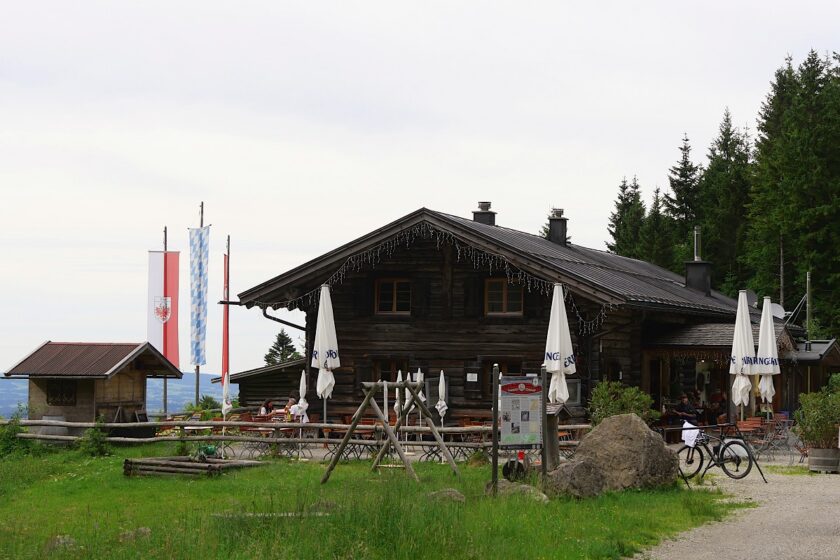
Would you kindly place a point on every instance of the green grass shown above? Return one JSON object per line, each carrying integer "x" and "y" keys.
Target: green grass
{"x": 794, "y": 470}
{"x": 375, "y": 515}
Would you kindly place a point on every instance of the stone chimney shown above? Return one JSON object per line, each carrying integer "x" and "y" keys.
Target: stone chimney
{"x": 698, "y": 273}
{"x": 484, "y": 215}
{"x": 557, "y": 227}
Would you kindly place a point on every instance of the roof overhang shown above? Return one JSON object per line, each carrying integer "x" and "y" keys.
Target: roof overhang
{"x": 265, "y": 370}
{"x": 287, "y": 285}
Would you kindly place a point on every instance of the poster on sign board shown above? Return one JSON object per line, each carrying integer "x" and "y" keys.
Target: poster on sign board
{"x": 520, "y": 406}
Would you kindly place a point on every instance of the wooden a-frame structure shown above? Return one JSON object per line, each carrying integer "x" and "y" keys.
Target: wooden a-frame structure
{"x": 371, "y": 389}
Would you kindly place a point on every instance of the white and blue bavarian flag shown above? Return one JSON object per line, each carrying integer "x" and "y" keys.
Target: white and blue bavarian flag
{"x": 199, "y": 257}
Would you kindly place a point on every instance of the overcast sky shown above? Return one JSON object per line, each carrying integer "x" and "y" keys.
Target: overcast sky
{"x": 305, "y": 125}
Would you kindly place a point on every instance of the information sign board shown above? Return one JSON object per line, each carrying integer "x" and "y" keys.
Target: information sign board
{"x": 520, "y": 412}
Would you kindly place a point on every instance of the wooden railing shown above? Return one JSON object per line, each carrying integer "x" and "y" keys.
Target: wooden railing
{"x": 280, "y": 432}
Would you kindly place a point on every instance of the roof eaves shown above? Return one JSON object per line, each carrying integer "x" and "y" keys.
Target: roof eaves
{"x": 9, "y": 375}
{"x": 250, "y": 296}
{"x": 130, "y": 356}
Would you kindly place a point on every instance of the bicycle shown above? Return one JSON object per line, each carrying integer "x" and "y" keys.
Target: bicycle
{"x": 732, "y": 456}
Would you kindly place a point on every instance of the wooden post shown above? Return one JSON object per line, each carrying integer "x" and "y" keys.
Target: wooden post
{"x": 546, "y": 429}
{"x": 431, "y": 424}
{"x": 393, "y": 439}
{"x": 495, "y": 459}
{"x": 402, "y": 417}
{"x": 356, "y": 418}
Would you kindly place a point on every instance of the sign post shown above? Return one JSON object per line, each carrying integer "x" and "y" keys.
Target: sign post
{"x": 495, "y": 458}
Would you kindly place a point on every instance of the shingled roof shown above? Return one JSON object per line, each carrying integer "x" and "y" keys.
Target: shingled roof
{"x": 599, "y": 275}
{"x": 95, "y": 360}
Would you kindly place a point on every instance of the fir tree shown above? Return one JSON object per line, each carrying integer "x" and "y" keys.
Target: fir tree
{"x": 683, "y": 178}
{"x": 796, "y": 197}
{"x": 723, "y": 195}
{"x": 282, "y": 350}
{"x": 656, "y": 234}
{"x": 626, "y": 221}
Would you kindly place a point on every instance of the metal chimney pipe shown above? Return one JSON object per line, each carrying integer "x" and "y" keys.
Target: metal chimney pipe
{"x": 697, "y": 243}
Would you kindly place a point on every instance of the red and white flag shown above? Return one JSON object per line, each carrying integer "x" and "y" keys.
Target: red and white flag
{"x": 163, "y": 303}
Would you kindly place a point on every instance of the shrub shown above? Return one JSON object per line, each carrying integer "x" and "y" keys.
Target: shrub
{"x": 834, "y": 383}
{"x": 94, "y": 441}
{"x": 9, "y": 442}
{"x": 611, "y": 397}
{"x": 818, "y": 417}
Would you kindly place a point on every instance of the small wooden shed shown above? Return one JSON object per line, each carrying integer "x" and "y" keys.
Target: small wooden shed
{"x": 81, "y": 381}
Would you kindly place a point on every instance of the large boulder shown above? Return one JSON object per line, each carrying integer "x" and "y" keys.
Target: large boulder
{"x": 579, "y": 478}
{"x": 629, "y": 454}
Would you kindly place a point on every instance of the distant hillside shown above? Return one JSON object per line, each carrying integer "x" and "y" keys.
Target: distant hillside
{"x": 180, "y": 391}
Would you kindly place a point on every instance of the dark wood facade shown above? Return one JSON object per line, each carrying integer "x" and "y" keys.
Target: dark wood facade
{"x": 447, "y": 329}
{"x": 616, "y": 303}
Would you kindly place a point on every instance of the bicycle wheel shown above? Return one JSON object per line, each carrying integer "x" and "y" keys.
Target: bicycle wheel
{"x": 691, "y": 460}
{"x": 735, "y": 460}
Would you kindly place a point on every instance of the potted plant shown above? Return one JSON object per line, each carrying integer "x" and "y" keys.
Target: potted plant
{"x": 816, "y": 424}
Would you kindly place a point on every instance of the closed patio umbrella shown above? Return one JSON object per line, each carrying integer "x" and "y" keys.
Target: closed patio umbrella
{"x": 767, "y": 359}
{"x": 441, "y": 404}
{"x": 743, "y": 353}
{"x": 325, "y": 348}
{"x": 559, "y": 354}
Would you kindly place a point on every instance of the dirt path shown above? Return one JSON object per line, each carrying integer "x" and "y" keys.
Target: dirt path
{"x": 798, "y": 516}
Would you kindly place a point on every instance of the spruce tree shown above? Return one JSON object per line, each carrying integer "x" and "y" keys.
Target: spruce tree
{"x": 282, "y": 350}
{"x": 769, "y": 215}
{"x": 723, "y": 196}
{"x": 656, "y": 234}
{"x": 797, "y": 192}
{"x": 626, "y": 221}
{"x": 681, "y": 204}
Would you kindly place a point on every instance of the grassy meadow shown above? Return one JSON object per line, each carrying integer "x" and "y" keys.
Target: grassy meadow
{"x": 370, "y": 515}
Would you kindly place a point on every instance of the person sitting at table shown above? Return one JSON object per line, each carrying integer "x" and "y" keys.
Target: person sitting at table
{"x": 685, "y": 411}
{"x": 723, "y": 415}
{"x": 287, "y": 410}
{"x": 266, "y": 408}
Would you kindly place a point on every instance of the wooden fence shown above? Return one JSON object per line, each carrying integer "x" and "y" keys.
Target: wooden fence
{"x": 249, "y": 432}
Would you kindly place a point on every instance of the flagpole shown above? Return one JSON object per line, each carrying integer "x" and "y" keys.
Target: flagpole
{"x": 165, "y": 396}
{"x": 226, "y": 340}
{"x": 198, "y": 367}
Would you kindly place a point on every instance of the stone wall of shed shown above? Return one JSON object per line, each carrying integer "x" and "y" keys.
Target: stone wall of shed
{"x": 82, "y": 412}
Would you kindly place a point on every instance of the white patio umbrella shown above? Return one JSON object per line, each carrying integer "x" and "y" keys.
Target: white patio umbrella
{"x": 743, "y": 353}
{"x": 299, "y": 409}
{"x": 418, "y": 378}
{"x": 397, "y": 396}
{"x": 325, "y": 349}
{"x": 441, "y": 404}
{"x": 302, "y": 405}
{"x": 226, "y": 402}
{"x": 559, "y": 354}
{"x": 767, "y": 359}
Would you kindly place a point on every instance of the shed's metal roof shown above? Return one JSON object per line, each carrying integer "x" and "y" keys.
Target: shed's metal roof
{"x": 90, "y": 360}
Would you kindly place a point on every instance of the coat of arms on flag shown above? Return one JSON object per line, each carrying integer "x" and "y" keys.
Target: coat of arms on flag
{"x": 163, "y": 308}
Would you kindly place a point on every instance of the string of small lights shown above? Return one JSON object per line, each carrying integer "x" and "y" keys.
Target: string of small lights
{"x": 480, "y": 259}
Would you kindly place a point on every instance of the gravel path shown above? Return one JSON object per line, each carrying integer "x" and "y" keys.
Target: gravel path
{"x": 798, "y": 516}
